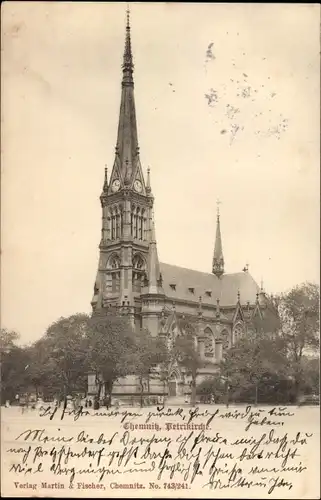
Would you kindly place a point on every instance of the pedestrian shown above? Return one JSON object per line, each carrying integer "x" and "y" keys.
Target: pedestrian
{"x": 96, "y": 403}
{"x": 22, "y": 402}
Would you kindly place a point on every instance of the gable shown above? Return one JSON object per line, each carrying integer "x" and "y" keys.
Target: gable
{"x": 116, "y": 174}
{"x": 138, "y": 176}
{"x": 238, "y": 315}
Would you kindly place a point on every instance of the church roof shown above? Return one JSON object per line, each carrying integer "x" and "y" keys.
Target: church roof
{"x": 180, "y": 283}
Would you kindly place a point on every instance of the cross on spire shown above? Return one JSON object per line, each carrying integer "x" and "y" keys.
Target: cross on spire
{"x": 246, "y": 267}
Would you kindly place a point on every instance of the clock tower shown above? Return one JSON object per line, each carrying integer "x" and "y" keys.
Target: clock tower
{"x": 127, "y": 204}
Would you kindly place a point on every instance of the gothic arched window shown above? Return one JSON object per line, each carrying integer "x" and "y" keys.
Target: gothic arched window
{"x": 113, "y": 223}
{"x": 138, "y": 262}
{"x": 141, "y": 229}
{"x": 115, "y": 282}
{"x": 226, "y": 339}
{"x": 237, "y": 331}
{"x": 132, "y": 221}
{"x": 114, "y": 262}
{"x": 208, "y": 343}
{"x": 121, "y": 218}
{"x": 117, "y": 217}
{"x": 113, "y": 274}
{"x": 108, "y": 225}
{"x": 137, "y": 220}
{"x": 138, "y": 272}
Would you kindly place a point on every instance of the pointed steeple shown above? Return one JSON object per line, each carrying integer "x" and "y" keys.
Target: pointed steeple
{"x": 148, "y": 186}
{"x": 128, "y": 66}
{"x": 105, "y": 187}
{"x": 239, "y": 313}
{"x": 127, "y": 149}
{"x": 154, "y": 285}
{"x": 262, "y": 295}
{"x": 218, "y": 259}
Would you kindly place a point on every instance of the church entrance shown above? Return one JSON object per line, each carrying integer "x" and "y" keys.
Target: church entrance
{"x": 172, "y": 388}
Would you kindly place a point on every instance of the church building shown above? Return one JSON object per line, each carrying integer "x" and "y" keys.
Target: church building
{"x": 154, "y": 294}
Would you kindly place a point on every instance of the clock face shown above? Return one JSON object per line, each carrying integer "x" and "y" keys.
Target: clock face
{"x": 138, "y": 186}
{"x": 115, "y": 185}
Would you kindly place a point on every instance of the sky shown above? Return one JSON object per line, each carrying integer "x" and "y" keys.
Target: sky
{"x": 228, "y": 107}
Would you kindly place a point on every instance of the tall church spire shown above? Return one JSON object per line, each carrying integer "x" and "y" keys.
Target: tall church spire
{"x": 127, "y": 151}
{"x": 128, "y": 66}
{"x": 218, "y": 259}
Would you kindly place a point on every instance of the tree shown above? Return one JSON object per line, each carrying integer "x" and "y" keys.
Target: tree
{"x": 8, "y": 339}
{"x": 186, "y": 352}
{"x": 110, "y": 344}
{"x": 13, "y": 363}
{"x": 299, "y": 314}
{"x": 62, "y": 354}
{"x": 251, "y": 361}
{"x": 42, "y": 372}
{"x": 13, "y": 372}
{"x": 212, "y": 385}
{"x": 311, "y": 375}
{"x": 148, "y": 354}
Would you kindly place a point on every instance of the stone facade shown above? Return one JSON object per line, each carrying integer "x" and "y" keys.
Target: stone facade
{"x": 154, "y": 294}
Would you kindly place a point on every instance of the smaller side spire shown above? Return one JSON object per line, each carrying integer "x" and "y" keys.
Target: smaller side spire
{"x": 105, "y": 187}
{"x": 262, "y": 295}
{"x": 154, "y": 283}
{"x": 262, "y": 285}
{"x": 218, "y": 259}
{"x": 152, "y": 229}
{"x": 148, "y": 186}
